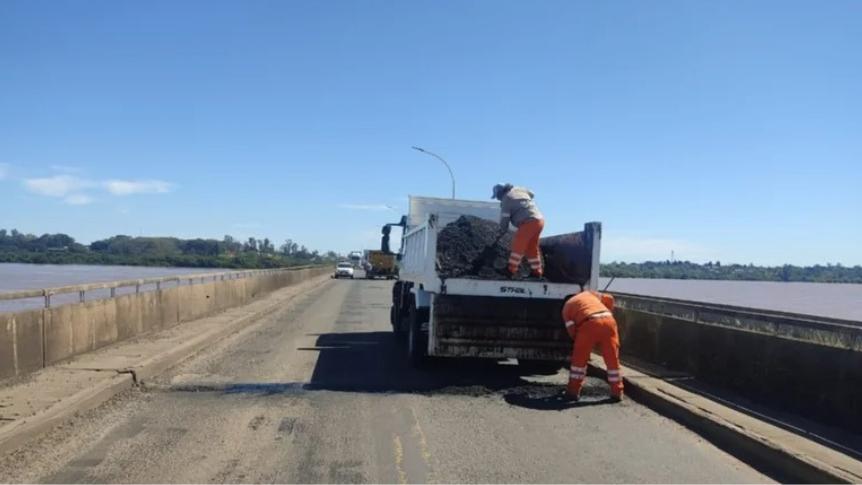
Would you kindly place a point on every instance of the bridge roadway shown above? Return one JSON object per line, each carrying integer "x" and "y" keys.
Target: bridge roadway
{"x": 319, "y": 392}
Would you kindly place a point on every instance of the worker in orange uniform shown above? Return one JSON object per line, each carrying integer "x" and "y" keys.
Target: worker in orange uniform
{"x": 517, "y": 207}
{"x": 590, "y": 321}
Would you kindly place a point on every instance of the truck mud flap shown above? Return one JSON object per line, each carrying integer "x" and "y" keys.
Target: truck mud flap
{"x": 521, "y": 328}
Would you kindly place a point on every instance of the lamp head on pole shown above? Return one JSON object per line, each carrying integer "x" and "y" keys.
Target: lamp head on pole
{"x": 438, "y": 157}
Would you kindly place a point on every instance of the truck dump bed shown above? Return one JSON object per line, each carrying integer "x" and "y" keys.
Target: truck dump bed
{"x": 380, "y": 264}
{"x": 496, "y": 318}
{"x": 571, "y": 260}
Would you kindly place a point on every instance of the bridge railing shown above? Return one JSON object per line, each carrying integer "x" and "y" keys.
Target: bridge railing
{"x": 47, "y": 297}
{"x": 802, "y": 364}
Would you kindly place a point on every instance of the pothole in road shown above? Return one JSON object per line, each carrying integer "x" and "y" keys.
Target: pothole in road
{"x": 230, "y": 388}
{"x": 530, "y": 392}
{"x": 536, "y": 392}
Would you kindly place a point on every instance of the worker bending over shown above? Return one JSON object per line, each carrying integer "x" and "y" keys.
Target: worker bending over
{"x": 590, "y": 321}
{"x": 517, "y": 207}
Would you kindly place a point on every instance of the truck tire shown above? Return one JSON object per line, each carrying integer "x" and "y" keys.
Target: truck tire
{"x": 396, "y": 310}
{"x": 393, "y": 319}
{"x": 417, "y": 339}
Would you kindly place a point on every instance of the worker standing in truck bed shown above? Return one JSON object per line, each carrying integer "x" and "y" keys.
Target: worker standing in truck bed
{"x": 517, "y": 207}
{"x": 590, "y": 321}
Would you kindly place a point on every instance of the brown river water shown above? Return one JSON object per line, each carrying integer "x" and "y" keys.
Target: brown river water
{"x": 836, "y": 300}
{"x": 18, "y": 276}
{"x": 824, "y": 299}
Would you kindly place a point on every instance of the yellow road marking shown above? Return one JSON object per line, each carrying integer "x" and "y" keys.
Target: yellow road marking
{"x": 423, "y": 443}
{"x": 399, "y": 459}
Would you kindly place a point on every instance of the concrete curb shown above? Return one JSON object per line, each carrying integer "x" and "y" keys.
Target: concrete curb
{"x": 781, "y": 454}
{"x": 16, "y": 434}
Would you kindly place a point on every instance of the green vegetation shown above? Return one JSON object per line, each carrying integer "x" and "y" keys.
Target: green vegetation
{"x": 16, "y": 247}
{"x": 716, "y": 271}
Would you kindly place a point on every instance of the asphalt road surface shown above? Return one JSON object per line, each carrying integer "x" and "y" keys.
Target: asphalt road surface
{"x": 320, "y": 392}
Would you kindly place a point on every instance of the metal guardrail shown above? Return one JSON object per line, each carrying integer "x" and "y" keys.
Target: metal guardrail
{"x": 113, "y": 286}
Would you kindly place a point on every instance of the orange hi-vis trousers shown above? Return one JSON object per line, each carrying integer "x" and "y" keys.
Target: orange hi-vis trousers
{"x": 526, "y": 243}
{"x": 601, "y": 330}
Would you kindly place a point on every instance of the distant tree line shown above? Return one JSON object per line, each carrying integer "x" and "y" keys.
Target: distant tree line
{"x": 17, "y": 247}
{"x": 830, "y": 273}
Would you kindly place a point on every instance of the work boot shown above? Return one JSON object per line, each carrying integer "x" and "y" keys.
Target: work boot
{"x": 515, "y": 274}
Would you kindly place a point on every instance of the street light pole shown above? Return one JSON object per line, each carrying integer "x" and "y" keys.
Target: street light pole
{"x": 438, "y": 157}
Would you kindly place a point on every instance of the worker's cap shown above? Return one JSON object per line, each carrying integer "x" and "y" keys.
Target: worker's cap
{"x": 499, "y": 190}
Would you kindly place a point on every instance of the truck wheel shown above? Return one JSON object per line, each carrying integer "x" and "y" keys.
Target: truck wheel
{"x": 417, "y": 339}
{"x": 395, "y": 321}
{"x": 395, "y": 310}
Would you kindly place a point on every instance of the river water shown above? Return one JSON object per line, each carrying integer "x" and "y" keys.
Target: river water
{"x": 824, "y": 299}
{"x": 19, "y": 276}
{"x": 836, "y": 300}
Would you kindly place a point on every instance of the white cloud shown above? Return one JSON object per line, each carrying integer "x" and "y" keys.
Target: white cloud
{"x": 57, "y": 186}
{"x": 78, "y": 191}
{"x": 130, "y": 187}
{"x": 78, "y": 199}
{"x": 637, "y": 249}
{"x": 367, "y": 207}
{"x": 4, "y": 170}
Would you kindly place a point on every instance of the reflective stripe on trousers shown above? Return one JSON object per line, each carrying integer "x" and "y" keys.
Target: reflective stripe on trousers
{"x": 526, "y": 242}
{"x": 601, "y": 331}
{"x": 577, "y": 373}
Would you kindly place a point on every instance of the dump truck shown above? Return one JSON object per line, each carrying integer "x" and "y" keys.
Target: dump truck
{"x": 380, "y": 264}
{"x": 485, "y": 318}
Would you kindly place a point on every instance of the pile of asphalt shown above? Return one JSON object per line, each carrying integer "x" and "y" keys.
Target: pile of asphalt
{"x": 468, "y": 248}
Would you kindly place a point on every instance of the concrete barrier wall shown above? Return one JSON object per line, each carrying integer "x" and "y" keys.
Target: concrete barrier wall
{"x": 31, "y": 340}
{"x": 797, "y": 363}
{"x": 21, "y": 337}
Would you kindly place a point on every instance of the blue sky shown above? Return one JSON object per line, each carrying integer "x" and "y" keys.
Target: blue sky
{"x": 720, "y": 130}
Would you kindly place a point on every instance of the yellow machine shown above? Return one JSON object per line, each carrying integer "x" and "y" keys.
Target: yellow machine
{"x": 380, "y": 264}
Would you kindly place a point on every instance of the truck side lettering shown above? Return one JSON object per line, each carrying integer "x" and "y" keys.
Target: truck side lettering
{"x": 512, "y": 289}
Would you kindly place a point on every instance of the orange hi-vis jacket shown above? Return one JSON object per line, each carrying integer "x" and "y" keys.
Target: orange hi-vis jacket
{"x": 579, "y": 307}
{"x": 589, "y": 322}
